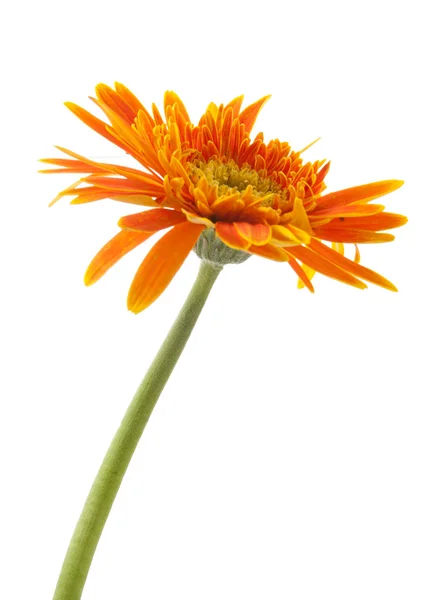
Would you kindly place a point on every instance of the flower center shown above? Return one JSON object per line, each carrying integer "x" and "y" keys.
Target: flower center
{"x": 228, "y": 177}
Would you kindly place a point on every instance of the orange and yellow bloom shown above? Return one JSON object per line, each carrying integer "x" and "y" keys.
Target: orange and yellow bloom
{"x": 256, "y": 197}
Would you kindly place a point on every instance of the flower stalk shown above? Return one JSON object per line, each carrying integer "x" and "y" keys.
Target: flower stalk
{"x": 88, "y": 530}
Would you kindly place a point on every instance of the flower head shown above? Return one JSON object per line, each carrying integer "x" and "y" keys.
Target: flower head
{"x": 212, "y": 183}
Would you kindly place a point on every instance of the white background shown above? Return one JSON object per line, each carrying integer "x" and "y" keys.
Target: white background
{"x": 293, "y": 453}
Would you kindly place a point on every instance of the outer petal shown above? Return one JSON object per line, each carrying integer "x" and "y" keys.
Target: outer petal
{"x": 351, "y": 266}
{"x": 270, "y": 252}
{"x": 121, "y": 244}
{"x": 116, "y": 102}
{"x": 351, "y": 236}
{"x": 235, "y": 104}
{"x": 171, "y": 98}
{"x": 129, "y": 97}
{"x": 300, "y": 272}
{"x": 126, "y": 184}
{"x": 250, "y": 113}
{"x": 379, "y": 222}
{"x": 228, "y": 233}
{"x": 349, "y": 210}
{"x": 324, "y": 266}
{"x": 258, "y": 234}
{"x": 367, "y": 192}
{"x": 152, "y": 220}
{"x": 289, "y": 236}
{"x": 89, "y": 119}
{"x": 299, "y": 217}
{"x": 91, "y": 196}
{"x": 69, "y": 166}
{"x": 127, "y": 172}
{"x": 161, "y": 264}
{"x": 193, "y": 218}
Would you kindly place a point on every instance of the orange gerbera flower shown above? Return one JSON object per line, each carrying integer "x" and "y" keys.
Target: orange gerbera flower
{"x": 212, "y": 181}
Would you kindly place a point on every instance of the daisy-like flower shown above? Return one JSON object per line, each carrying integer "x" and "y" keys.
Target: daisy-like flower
{"x": 221, "y": 192}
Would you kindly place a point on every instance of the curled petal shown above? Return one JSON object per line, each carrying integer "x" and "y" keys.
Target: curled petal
{"x": 357, "y": 257}
{"x": 193, "y": 218}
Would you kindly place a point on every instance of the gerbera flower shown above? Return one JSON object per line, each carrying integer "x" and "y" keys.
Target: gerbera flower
{"x": 213, "y": 186}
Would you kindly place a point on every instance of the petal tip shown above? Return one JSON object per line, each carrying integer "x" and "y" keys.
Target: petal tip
{"x": 88, "y": 278}
{"x": 133, "y": 308}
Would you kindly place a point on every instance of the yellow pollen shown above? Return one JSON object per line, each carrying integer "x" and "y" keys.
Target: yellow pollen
{"x": 229, "y": 178}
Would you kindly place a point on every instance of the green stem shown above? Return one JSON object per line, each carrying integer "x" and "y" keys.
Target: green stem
{"x": 108, "y": 480}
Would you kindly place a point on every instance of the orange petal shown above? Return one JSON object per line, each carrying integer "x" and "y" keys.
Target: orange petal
{"x": 339, "y": 247}
{"x": 99, "y": 126}
{"x": 235, "y": 104}
{"x": 288, "y": 236}
{"x": 69, "y": 191}
{"x": 116, "y": 102}
{"x": 157, "y": 115}
{"x": 161, "y": 264}
{"x": 309, "y": 145}
{"x": 324, "y": 266}
{"x": 108, "y": 182}
{"x": 230, "y": 236}
{"x": 351, "y": 266}
{"x": 127, "y": 198}
{"x": 130, "y": 98}
{"x": 123, "y": 130}
{"x": 367, "y": 192}
{"x": 351, "y": 236}
{"x": 349, "y": 210}
{"x": 127, "y": 172}
{"x": 225, "y": 204}
{"x": 193, "y": 218}
{"x": 171, "y": 98}
{"x": 152, "y": 220}
{"x": 250, "y": 113}
{"x": 270, "y": 252}
{"x": 69, "y": 166}
{"x": 121, "y": 244}
{"x": 379, "y": 222}
{"x": 357, "y": 256}
{"x": 309, "y": 272}
{"x": 300, "y": 272}
{"x": 257, "y": 234}
{"x": 299, "y": 216}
